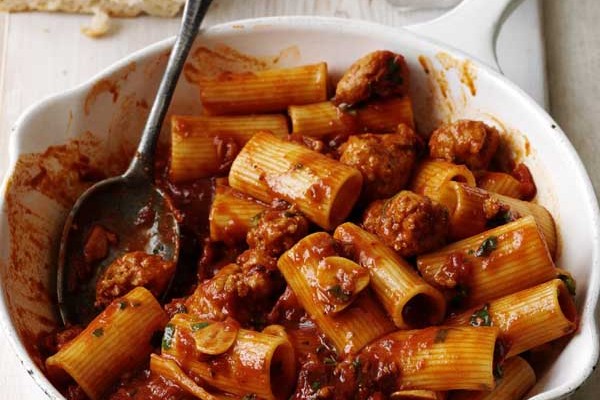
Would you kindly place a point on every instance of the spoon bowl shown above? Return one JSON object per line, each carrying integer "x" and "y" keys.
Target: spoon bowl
{"x": 136, "y": 216}
{"x": 125, "y": 213}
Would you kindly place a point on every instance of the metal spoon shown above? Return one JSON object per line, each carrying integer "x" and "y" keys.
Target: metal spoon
{"x": 130, "y": 205}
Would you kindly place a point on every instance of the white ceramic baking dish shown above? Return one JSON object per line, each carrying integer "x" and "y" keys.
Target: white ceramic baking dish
{"x": 97, "y": 125}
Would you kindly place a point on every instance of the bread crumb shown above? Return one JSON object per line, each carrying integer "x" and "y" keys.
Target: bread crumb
{"x": 99, "y": 25}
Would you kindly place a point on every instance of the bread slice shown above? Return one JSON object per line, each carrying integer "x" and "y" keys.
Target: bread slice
{"x": 115, "y": 8}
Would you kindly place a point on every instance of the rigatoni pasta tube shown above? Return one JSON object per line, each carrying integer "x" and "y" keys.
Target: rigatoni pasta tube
{"x": 170, "y": 370}
{"x": 349, "y": 330}
{"x": 431, "y": 175}
{"x": 501, "y": 183}
{"x": 202, "y": 146}
{"x": 408, "y": 299}
{"x": 542, "y": 217}
{"x": 324, "y": 190}
{"x": 466, "y": 208}
{"x": 530, "y": 317}
{"x": 326, "y": 120}
{"x": 438, "y": 358}
{"x": 256, "y": 362}
{"x": 492, "y": 264}
{"x": 264, "y": 91}
{"x": 517, "y": 378}
{"x": 115, "y": 342}
{"x": 231, "y": 215}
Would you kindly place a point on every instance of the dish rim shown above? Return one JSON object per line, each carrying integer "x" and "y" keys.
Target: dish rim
{"x": 307, "y": 22}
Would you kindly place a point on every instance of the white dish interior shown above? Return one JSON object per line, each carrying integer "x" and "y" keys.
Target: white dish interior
{"x": 105, "y": 117}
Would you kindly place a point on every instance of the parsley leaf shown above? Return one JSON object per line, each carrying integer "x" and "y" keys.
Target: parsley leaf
{"x": 339, "y": 293}
{"x": 481, "y": 317}
{"x": 199, "y": 325}
{"x": 316, "y": 385}
{"x": 167, "y": 339}
{"x": 329, "y": 361}
{"x": 487, "y": 246}
{"x": 98, "y": 332}
{"x": 569, "y": 283}
{"x": 249, "y": 396}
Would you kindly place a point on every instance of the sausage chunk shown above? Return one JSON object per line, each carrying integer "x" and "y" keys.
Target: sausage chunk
{"x": 98, "y": 243}
{"x": 385, "y": 160}
{"x": 276, "y": 231}
{"x": 242, "y": 290}
{"x": 472, "y": 143}
{"x": 409, "y": 223}
{"x": 380, "y": 73}
{"x": 131, "y": 270}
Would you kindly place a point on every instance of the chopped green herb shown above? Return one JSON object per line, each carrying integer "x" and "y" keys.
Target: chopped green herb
{"x": 481, "y": 317}
{"x": 249, "y": 396}
{"x": 180, "y": 309}
{"x": 356, "y": 364}
{"x": 289, "y": 214}
{"x": 440, "y": 335}
{"x": 462, "y": 292}
{"x": 569, "y": 283}
{"x": 254, "y": 220}
{"x": 470, "y": 252}
{"x": 122, "y": 305}
{"x": 507, "y": 216}
{"x": 98, "y": 332}
{"x": 167, "y": 339}
{"x": 487, "y": 246}
{"x": 316, "y": 385}
{"x": 199, "y": 325}
{"x": 339, "y": 293}
{"x": 329, "y": 361}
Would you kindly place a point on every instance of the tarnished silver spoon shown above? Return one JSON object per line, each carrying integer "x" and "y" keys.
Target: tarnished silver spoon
{"x": 131, "y": 205}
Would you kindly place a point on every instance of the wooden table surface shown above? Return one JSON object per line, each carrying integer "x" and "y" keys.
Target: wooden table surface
{"x": 42, "y": 54}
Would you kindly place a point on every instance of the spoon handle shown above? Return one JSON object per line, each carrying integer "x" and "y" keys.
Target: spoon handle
{"x": 142, "y": 164}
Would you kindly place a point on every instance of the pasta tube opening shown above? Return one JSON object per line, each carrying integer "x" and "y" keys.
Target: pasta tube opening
{"x": 431, "y": 175}
{"x": 422, "y": 310}
{"x": 566, "y": 303}
{"x": 282, "y": 376}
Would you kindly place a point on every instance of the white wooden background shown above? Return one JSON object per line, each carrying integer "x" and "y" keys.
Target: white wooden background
{"x": 41, "y": 54}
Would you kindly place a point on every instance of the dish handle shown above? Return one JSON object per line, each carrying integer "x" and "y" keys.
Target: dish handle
{"x": 472, "y": 26}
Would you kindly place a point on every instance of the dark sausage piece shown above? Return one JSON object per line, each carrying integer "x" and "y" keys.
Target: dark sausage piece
{"x": 385, "y": 160}
{"x": 472, "y": 143}
{"x": 409, "y": 223}
{"x": 276, "y": 231}
{"x": 97, "y": 243}
{"x": 380, "y": 73}
{"x": 131, "y": 270}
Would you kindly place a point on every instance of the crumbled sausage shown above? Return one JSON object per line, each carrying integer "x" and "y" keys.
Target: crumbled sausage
{"x": 242, "y": 290}
{"x": 409, "y": 223}
{"x": 380, "y": 73}
{"x": 97, "y": 243}
{"x": 131, "y": 270}
{"x": 385, "y": 161}
{"x": 472, "y": 143}
{"x": 276, "y": 231}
